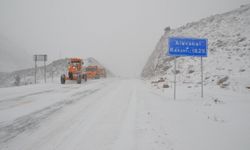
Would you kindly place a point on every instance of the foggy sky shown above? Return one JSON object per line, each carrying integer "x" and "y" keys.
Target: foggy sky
{"x": 119, "y": 34}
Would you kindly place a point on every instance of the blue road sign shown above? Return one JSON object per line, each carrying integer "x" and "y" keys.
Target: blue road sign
{"x": 187, "y": 47}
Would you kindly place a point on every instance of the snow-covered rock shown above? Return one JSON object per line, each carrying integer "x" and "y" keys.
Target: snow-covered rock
{"x": 228, "y": 58}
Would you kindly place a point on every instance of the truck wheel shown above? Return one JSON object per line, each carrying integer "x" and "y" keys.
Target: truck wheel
{"x": 85, "y": 77}
{"x": 63, "y": 79}
{"x": 79, "y": 79}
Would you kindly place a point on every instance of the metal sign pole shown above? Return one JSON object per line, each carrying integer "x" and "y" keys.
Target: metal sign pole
{"x": 201, "y": 78}
{"x": 174, "y": 78}
{"x": 35, "y": 69}
{"x": 52, "y": 73}
{"x": 44, "y": 71}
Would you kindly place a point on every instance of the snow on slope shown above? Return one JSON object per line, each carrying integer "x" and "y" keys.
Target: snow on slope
{"x": 27, "y": 75}
{"x": 54, "y": 71}
{"x": 228, "y": 58}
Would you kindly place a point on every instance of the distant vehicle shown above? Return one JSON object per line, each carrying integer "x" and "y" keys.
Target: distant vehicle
{"x": 102, "y": 72}
{"x": 74, "y": 71}
{"x": 93, "y": 72}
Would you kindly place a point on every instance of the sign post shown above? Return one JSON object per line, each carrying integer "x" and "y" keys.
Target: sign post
{"x": 40, "y": 58}
{"x": 35, "y": 69}
{"x": 45, "y": 71}
{"x": 201, "y": 78}
{"x": 180, "y": 46}
{"x": 174, "y": 78}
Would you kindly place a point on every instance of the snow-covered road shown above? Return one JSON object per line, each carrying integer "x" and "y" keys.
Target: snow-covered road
{"x": 119, "y": 114}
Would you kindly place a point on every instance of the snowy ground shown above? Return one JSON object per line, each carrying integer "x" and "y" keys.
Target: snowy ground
{"x": 122, "y": 114}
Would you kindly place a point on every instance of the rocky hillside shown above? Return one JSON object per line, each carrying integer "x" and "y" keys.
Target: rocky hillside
{"x": 228, "y": 61}
{"x": 54, "y": 71}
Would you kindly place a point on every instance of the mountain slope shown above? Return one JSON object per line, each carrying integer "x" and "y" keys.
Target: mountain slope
{"x": 228, "y": 61}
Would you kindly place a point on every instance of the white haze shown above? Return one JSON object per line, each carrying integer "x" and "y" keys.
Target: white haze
{"x": 120, "y": 34}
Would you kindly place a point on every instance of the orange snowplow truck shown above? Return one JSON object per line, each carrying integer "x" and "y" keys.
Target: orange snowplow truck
{"x": 74, "y": 71}
{"x": 102, "y": 72}
{"x": 92, "y": 72}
